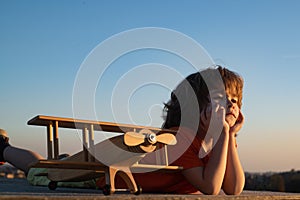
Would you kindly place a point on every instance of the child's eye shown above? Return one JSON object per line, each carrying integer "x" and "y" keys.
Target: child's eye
{"x": 234, "y": 100}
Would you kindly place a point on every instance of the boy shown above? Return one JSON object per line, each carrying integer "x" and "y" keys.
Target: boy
{"x": 218, "y": 169}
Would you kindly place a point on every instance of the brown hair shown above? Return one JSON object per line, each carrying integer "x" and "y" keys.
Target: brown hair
{"x": 179, "y": 105}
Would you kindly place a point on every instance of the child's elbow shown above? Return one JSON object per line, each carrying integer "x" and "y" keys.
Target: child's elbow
{"x": 233, "y": 190}
{"x": 211, "y": 190}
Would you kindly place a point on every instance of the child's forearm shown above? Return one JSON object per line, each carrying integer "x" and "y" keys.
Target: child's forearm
{"x": 214, "y": 171}
{"x": 234, "y": 178}
{"x": 208, "y": 179}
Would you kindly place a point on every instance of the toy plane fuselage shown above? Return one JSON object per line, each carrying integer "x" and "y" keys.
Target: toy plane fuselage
{"x": 107, "y": 158}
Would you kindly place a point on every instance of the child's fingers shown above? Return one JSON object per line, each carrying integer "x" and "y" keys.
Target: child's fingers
{"x": 241, "y": 117}
{"x": 238, "y": 124}
{"x": 221, "y": 113}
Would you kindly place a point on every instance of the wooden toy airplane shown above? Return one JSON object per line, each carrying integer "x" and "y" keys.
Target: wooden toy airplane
{"x": 117, "y": 155}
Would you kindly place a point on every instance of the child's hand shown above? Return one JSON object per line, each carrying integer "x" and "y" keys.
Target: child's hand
{"x": 218, "y": 113}
{"x": 238, "y": 124}
{"x": 222, "y": 114}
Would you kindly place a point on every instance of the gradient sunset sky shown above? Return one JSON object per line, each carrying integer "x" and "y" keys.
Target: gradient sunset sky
{"x": 44, "y": 43}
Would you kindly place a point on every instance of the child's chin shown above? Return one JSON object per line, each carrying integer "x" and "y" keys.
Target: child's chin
{"x": 230, "y": 122}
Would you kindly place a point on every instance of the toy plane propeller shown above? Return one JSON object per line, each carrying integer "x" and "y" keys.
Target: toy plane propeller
{"x": 148, "y": 137}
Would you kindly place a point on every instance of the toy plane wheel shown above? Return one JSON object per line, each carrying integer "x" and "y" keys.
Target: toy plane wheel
{"x": 139, "y": 190}
{"x": 107, "y": 190}
{"x": 52, "y": 185}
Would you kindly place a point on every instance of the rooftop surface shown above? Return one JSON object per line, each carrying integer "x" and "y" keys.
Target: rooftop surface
{"x": 12, "y": 189}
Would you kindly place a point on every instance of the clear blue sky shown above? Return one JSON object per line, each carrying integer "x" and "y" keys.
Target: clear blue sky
{"x": 43, "y": 44}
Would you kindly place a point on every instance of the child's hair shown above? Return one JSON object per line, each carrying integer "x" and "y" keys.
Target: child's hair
{"x": 180, "y": 97}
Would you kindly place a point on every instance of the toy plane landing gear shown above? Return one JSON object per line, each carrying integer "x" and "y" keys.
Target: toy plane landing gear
{"x": 124, "y": 152}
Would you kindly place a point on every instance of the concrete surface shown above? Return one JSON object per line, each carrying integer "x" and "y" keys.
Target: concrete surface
{"x": 13, "y": 189}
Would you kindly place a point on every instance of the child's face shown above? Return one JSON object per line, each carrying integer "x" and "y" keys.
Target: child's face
{"x": 232, "y": 110}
